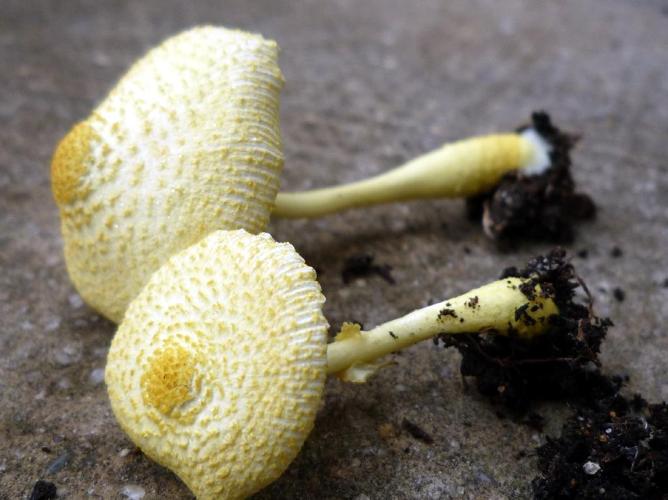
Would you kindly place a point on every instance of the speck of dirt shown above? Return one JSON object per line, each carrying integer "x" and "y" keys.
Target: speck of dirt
{"x": 416, "y": 431}
{"x": 618, "y": 294}
{"x": 560, "y": 364}
{"x": 445, "y": 312}
{"x": 616, "y": 252}
{"x": 43, "y": 490}
{"x": 537, "y": 207}
{"x": 618, "y": 449}
{"x": 583, "y": 254}
{"x": 387, "y": 431}
{"x": 362, "y": 265}
{"x": 472, "y": 302}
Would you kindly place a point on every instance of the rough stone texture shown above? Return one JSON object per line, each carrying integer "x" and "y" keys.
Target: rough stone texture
{"x": 369, "y": 84}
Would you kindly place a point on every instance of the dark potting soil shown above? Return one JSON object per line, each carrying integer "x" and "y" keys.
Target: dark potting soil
{"x": 611, "y": 447}
{"x": 559, "y": 364}
{"x": 542, "y": 207}
{"x": 619, "y": 449}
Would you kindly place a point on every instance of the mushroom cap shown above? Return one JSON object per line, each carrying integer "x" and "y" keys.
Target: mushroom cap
{"x": 218, "y": 367}
{"x": 187, "y": 143}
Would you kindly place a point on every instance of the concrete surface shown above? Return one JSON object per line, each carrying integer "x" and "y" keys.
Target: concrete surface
{"x": 369, "y": 84}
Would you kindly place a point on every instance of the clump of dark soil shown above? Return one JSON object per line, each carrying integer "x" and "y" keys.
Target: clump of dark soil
{"x": 362, "y": 265}
{"x": 559, "y": 364}
{"x": 612, "y": 447}
{"x": 539, "y": 207}
{"x": 617, "y": 450}
{"x": 43, "y": 490}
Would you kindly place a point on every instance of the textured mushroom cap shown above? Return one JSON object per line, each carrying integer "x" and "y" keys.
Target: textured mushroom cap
{"x": 218, "y": 367}
{"x": 188, "y": 142}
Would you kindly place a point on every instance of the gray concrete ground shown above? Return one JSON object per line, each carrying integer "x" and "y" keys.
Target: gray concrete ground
{"x": 369, "y": 84}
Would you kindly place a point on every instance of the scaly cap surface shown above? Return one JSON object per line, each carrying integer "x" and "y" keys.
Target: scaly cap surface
{"x": 218, "y": 368}
{"x": 188, "y": 142}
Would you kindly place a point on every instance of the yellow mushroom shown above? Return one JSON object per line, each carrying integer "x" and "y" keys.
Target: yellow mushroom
{"x": 187, "y": 142}
{"x": 218, "y": 368}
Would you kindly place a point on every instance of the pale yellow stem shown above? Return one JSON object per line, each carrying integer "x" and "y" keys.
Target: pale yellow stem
{"x": 500, "y": 306}
{"x": 462, "y": 168}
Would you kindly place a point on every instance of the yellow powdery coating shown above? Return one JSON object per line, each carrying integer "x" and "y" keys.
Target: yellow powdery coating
{"x": 187, "y": 143}
{"x": 218, "y": 367}
{"x": 170, "y": 380}
{"x": 70, "y": 162}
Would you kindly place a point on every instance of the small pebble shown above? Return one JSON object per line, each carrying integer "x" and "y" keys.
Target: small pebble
{"x": 483, "y": 478}
{"x": 133, "y": 492}
{"x": 124, "y": 452}
{"x": 64, "y": 383}
{"x": 591, "y": 468}
{"x": 96, "y": 376}
{"x": 68, "y": 355}
{"x": 75, "y": 301}
{"x": 52, "y": 324}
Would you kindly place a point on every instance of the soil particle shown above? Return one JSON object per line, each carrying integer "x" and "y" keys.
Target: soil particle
{"x": 43, "y": 490}
{"x": 619, "y": 294}
{"x": 619, "y": 449}
{"x": 562, "y": 363}
{"x": 616, "y": 252}
{"x": 537, "y": 207}
{"x": 387, "y": 431}
{"x": 362, "y": 265}
{"x": 416, "y": 431}
{"x": 444, "y": 313}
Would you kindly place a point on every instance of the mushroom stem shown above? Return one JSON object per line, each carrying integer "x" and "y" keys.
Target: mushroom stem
{"x": 501, "y": 306}
{"x": 460, "y": 169}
